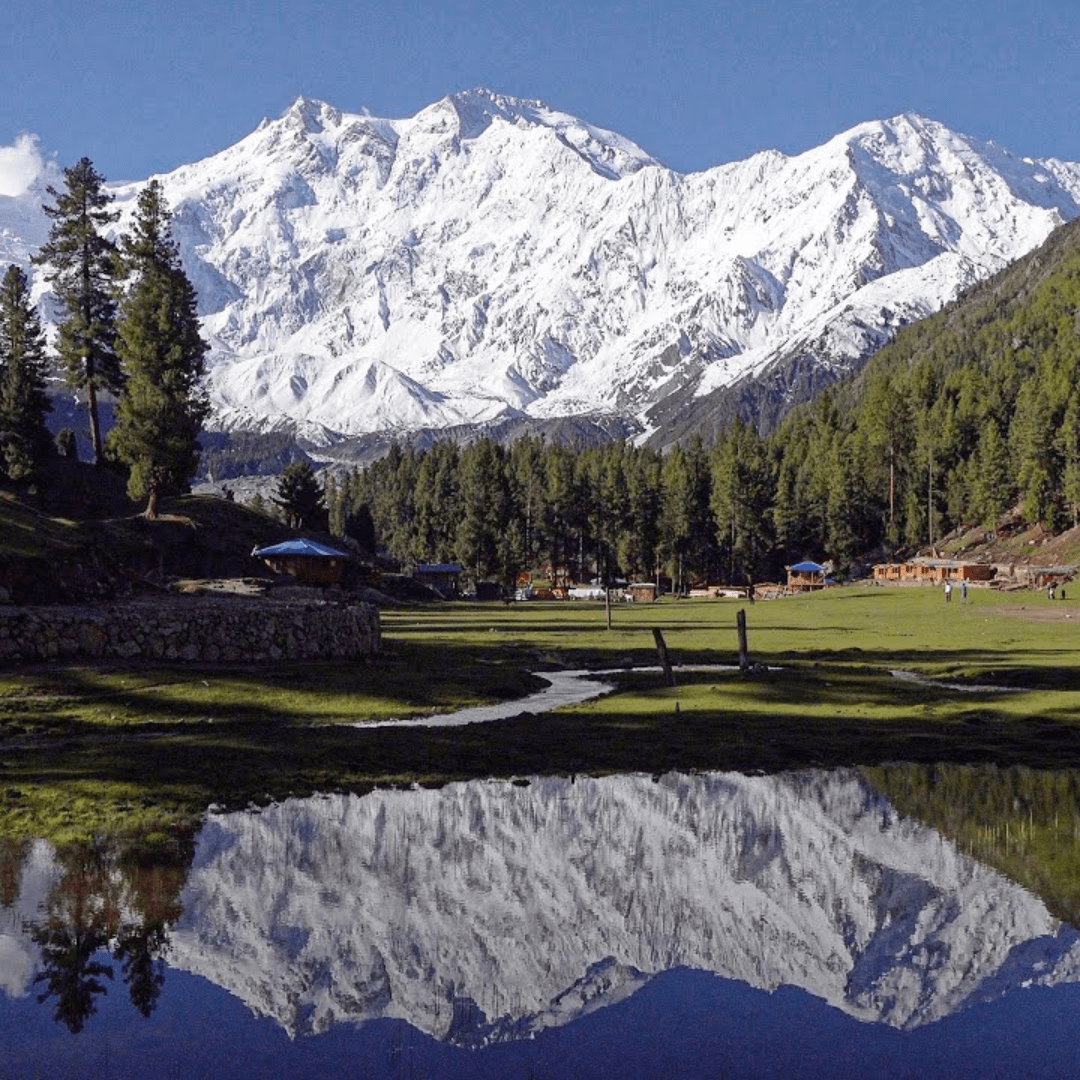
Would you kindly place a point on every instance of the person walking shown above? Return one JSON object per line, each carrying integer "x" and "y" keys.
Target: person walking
{"x": 948, "y": 592}
{"x": 963, "y": 592}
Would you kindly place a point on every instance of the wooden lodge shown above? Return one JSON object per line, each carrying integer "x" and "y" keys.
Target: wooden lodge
{"x": 932, "y": 572}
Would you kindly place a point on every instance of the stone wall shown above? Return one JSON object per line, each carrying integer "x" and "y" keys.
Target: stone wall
{"x": 194, "y": 629}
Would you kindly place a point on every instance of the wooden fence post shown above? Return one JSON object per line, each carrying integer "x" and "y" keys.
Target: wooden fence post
{"x": 744, "y": 652}
{"x": 665, "y": 662}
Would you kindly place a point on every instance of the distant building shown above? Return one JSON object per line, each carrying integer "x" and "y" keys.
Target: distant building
{"x": 586, "y": 592}
{"x": 806, "y": 576}
{"x": 306, "y": 560}
{"x": 932, "y": 572}
{"x": 641, "y": 591}
{"x": 445, "y": 578}
{"x": 489, "y": 591}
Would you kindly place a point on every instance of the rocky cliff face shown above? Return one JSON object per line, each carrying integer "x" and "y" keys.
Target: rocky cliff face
{"x": 492, "y": 263}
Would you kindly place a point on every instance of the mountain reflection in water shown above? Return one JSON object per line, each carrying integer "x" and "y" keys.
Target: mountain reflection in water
{"x": 487, "y": 926}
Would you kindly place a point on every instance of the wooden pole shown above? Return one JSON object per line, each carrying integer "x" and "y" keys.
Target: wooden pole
{"x": 665, "y": 662}
{"x": 744, "y": 652}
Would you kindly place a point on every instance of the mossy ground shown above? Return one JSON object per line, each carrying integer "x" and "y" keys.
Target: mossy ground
{"x": 85, "y": 748}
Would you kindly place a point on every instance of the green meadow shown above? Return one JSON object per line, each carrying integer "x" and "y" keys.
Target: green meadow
{"x": 850, "y": 677}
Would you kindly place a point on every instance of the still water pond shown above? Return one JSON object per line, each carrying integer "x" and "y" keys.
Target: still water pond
{"x": 683, "y": 926}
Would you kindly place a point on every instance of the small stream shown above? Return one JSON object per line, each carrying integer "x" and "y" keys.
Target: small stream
{"x": 570, "y": 687}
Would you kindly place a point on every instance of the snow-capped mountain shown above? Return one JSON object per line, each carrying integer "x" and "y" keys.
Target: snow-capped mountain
{"x": 492, "y": 260}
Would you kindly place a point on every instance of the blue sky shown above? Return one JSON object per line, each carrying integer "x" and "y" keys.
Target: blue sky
{"x": 142, "y": 86}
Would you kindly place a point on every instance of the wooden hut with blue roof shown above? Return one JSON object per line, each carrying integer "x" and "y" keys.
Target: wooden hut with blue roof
{"x": 306, "y": 560}
{"x": 805, "y": 576}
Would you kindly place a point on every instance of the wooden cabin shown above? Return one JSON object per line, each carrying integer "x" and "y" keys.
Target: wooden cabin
{"x": 641, "y": 591}
{"x": 806, "y": 576}
{"x": 307, "y": 561}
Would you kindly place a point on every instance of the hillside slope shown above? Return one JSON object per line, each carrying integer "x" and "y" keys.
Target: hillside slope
{"x": 80, "y": 538}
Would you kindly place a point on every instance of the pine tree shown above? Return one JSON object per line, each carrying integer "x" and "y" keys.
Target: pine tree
{"x": 162, "y": 407}
{"x": 742, "y": 496}
{"x": 1032, "y": 435}
{"x": 23, "y": 401}
{"x": 485, "y": 510}
{"x": 300, "y": 497}
{"x": 687, "y": 528}
{"x": 80, "y": 261}
{"x": 992, "y": 484}
{"x": 1069, "y": 445}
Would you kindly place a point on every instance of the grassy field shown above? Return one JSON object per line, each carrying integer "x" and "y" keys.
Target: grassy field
{"x": 84, "y": 749}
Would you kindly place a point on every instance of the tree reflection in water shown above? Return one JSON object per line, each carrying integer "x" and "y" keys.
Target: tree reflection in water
{"x": 120, "y": 895}
{"x": 69, "y": 971}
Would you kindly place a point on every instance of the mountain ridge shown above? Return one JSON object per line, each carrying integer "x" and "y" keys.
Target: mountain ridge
{"x": 493, "y": 261}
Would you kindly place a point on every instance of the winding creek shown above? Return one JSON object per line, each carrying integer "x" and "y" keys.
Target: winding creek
{"x": 575, "y": 686}
{"x": 564, "y": 688}
{"x": 569, "y": 687}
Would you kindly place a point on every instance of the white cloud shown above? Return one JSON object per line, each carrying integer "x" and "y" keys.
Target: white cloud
{"x": 20, "y": 165}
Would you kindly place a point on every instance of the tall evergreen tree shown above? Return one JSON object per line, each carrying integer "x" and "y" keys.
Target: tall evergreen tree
{"x": 743, "y": 492}
{"x": 1032, "y": 435}
{"x": 687, "y": 528}
{"x": 80, "y": 266}
{"x": 992, "y": 487}
{"x": 162, "y": 407}
{"x": 24, "y": 437}
{"x": 300, "y": 497}
{"x": 1069, "y": 444}
{"x": 485, "y": 509}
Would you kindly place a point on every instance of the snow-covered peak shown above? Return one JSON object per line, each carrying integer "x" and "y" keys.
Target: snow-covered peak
{"x": 312, "y": 116}
{"x": 492, "y": 257}
{"x": 609, "y": 153}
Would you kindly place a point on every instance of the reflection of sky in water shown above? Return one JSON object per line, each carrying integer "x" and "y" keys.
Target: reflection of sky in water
{"x": 476, "y": 913}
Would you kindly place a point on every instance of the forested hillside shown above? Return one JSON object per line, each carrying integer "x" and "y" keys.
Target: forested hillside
{"x": 969, "y": 414}
{"x": 966, "y": 417}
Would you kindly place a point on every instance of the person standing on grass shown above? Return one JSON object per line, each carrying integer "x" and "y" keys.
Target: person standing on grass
{"x": 948, "y": 592}
{"x": 963, "y": 592}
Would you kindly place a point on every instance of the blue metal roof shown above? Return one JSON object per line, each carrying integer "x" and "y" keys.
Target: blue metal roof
{"x": 439, "y": 568}
{"x": 807, "y": 568}
{"x": 300, "y": 547}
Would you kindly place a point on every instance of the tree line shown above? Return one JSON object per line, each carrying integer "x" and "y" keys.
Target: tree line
{"x": 597, "y": 512}
{"x": 969, "y": 417}
{"x": 129, "y": 327}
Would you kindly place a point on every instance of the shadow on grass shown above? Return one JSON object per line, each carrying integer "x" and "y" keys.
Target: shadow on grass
{"x": 241, "y": 762}
{"x": 183, "y": 738}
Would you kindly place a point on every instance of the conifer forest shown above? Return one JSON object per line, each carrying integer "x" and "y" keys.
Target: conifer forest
{"x": 969, "y": 417}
